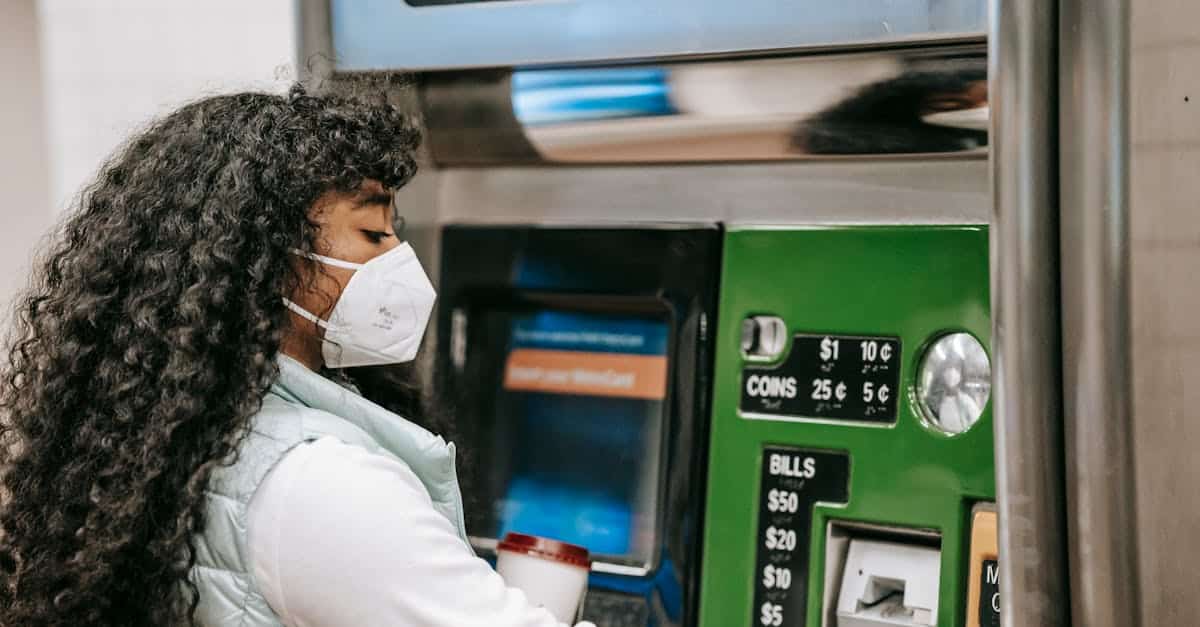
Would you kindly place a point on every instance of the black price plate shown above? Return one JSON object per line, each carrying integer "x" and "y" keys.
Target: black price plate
{"x": 989, "y": 597}
{"x": 792, "y": 481}
{"x": 840, "y": 377}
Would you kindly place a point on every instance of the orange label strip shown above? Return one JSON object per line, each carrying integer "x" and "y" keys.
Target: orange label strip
{"x": 586, "y": 373}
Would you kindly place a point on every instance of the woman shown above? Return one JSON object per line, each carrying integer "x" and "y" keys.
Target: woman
{"x": 184, "y": 438}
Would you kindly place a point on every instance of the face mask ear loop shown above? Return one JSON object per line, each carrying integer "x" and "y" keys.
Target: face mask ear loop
{"x": 329, "y": 261}
{"x": 304, "y": 313}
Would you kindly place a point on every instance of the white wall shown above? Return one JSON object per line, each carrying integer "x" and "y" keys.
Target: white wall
{"x": 78, "y": 76}
{"x": 24, "y": 189}
{"x": 112, "y": 65}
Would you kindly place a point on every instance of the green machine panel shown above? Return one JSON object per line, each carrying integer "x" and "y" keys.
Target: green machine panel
{"x": 801, "y": 446}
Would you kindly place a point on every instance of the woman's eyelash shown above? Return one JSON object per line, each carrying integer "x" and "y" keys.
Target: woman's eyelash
{"x": 376, "y": 236}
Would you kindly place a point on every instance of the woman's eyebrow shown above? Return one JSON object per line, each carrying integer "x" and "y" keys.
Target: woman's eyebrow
{"x": 373, "y": 198}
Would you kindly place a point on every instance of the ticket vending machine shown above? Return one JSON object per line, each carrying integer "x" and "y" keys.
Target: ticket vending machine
{"x": 851, "y": 444}
{"x": 842, "y": 475}
{"x": 849, "y": 152}
{"x": 577, "y": 363}
{"x": 714, "y": 286}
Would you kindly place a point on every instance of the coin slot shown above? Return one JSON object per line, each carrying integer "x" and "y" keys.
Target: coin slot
{"x": 763, "y": 337}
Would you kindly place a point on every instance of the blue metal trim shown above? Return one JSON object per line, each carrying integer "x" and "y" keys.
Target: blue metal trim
{"x": 390, "y": 34}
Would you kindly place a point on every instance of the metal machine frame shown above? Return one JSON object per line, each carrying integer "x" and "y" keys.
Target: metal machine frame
{"x": 1060, "y": 278}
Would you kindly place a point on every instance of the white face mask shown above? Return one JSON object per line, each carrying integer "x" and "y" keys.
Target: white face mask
{"x": 381, "y": 315}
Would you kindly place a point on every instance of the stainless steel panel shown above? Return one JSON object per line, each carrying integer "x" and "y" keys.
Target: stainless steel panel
{"x": 1025, "y": 313}
{"x": 1097, "y": 405}
{"x": 899, "y": 102}
{"x": 314, "y": 41}
{"x": 884, "y": 192}
{"x": 394, "y": 34}
{"x": 1164, "y": 94}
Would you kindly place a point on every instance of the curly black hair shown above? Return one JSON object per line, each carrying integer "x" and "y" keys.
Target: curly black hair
{"x": 147, "y": 340}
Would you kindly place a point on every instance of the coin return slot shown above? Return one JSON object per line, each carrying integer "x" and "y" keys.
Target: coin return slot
{"x": 880, "y": 576}
{"x": 763, "y": 337}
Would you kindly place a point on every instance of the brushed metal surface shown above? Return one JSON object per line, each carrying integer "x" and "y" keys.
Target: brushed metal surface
{"x": 1097, "y": 400}
{"x": 882, "y": 192}
{"x": 393, "y": 34}
{"x": 903, "y": 101}
{"x": 314, "y": 41}
{"x": 1025, "y": 314}
{"x": 1164, "y": 147}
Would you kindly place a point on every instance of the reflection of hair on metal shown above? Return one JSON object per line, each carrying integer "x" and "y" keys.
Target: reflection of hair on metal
{"x": 889, "y": 117}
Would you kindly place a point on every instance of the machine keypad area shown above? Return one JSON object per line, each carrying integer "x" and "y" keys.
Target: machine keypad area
{"x": 615, "y": 609}
{"x": 792, "y": 481}
{"x": 838, "y": 377}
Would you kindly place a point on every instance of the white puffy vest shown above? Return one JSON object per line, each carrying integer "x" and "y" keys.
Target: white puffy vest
{"x": 301, "y": 406}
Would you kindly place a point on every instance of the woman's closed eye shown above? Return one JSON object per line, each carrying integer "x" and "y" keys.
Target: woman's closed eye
{"x": 377, "y": 237}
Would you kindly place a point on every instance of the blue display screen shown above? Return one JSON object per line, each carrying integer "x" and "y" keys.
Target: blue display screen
{"x": 547, "y": 97}
{"x": 585, "y": 394}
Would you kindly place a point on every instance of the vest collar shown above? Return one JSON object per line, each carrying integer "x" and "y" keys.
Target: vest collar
{"x": 429, "y": 456}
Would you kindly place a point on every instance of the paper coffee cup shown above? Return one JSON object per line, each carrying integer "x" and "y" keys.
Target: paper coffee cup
{"x": 552, "y": 574}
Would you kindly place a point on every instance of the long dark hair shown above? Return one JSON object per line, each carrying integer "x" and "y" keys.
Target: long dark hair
{"x": 148, "y": 338}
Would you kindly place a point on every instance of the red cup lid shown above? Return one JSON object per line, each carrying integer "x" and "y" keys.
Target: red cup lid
{"x": 545, "y": 548}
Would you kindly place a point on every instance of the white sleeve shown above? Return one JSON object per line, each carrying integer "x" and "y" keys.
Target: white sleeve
{"x": 339, "y": 536}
